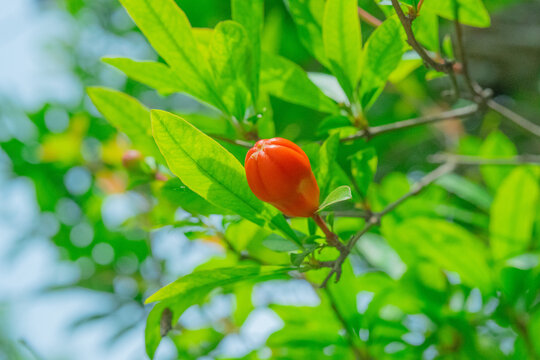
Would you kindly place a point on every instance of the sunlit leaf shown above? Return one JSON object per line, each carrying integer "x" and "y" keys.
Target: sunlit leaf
{"x": 250, "y": 14}
{"x": 363, "y": 168}
{"x": 343, "y": 42}
{"x": 496, "y": 145}
{"x": 128, "y": 115}
{"x": 340, "y": 194}
{"x": 231, "y": 61}
{"x": 382, "y": 54}
{"x": 471, "y": 12}
{"x": 168, "y": 29}
{"x": 207, "y": 280}
{"x": 285, "y": 80}
{"x": 513, "y": 213}
{"x": 156, "y": 75}
{"x": 210, "y": 170}
{"x": 308, "y": 16}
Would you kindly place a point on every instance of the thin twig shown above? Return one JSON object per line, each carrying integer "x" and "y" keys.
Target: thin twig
{"x": 411, "y": 39}
{"x": 367, "y": 17}
{"x": 526, "y": 159}
{"x": 475, "y": 89}
{"x": 331, "y": 238}
{"x": 375, "y": 219}
{"x": 378, "y": 130}
{"x": 242, "y": 143}
{"x": 515, "y": 118}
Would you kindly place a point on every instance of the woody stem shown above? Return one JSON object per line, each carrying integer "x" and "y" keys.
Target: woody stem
{"x": 331, "y": 238}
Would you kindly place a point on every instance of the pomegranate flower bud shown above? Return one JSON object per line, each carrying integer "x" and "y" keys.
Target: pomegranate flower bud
{"x": 278, "y": 172}
{"x": 132, "y": 159}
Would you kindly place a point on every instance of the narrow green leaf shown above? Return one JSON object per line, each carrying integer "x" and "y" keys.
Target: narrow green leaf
{"x": 250, "y": 14}
{"x": 285, "y": 80}
{"x": 308, "y": 17}
{"x": 471, "y": 12}
{"x": 343, "y": 42}
{"x": 327, "y": 163}
{"x": 513, "y": 213}
{"x": 382, "y": 55}
{"x": 426, "y": 30}
{"x": 231, "y": 60}
{"x": 167, "y": 28}
{"x": 129, "y": 116}
{"x": 207, "y": 280}
{"x": 210, "y": 170}
{"x": 363, "y": 168}
{"x": 278, "y": 243}
{"x": 496, "y": 145}
{"x": 467, "y": 190}
{"x": 340, "y": 194}
{"x": 156, "y": 75}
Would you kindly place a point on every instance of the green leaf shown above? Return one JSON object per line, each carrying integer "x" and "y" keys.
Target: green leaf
{"x": 278, "y": 243}
{"x": 426, "y": 30}
{"x": 285, "y": 80}
{"x": 153, "y": 331}
{"x": 363, "y": 168}
{"x": 175, "y": 192}
{"x": 446, "y": 245}
{"x": 156, "y": 75}
{"x": 327, "y": 155}
{"x": 129, "y": 116}
{"x": 207, "y": 280}
{"x": 332, "y": 122}
{"x": 467, "y": 190}
{"x": 382, "y": 55}
{"x": 340, "y": 194}
{"x": 210, "y": 170}
{"x": 513, "y": 213}
{"x": 250, "y": 14}
{"x": 167, "y": 28}
{"x": 231, "y": 60}
{"x": 343, "y": 42}
{"x": 471, "y": 12}
{"x": 308, "y": 17}
{"x": 496, "y": 145}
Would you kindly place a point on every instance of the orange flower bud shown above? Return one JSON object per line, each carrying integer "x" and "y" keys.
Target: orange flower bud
{"x": 278, "y": 172}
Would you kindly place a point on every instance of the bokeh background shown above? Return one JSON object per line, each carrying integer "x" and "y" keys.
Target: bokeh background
{"x": 76, "y": 254}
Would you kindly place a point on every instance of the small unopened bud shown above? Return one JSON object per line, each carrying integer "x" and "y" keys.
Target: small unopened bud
{"x": 132, "y": 159}
{"x": 457, "y": 68}
{"x": 160, "y": 176}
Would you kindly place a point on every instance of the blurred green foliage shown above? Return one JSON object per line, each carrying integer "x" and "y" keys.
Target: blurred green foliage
{"x": 453, "y": 273}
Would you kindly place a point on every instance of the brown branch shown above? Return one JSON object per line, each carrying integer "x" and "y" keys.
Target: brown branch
{"x": 526, "y": 159}
{"x": 375, "y": 219}
{"x": 367, "y": 17}
{"x": 378, "y": 130}
{"x": 515, "y": 118}
{"x": 331, "y": 238}
{"x": 406, "y": 21}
